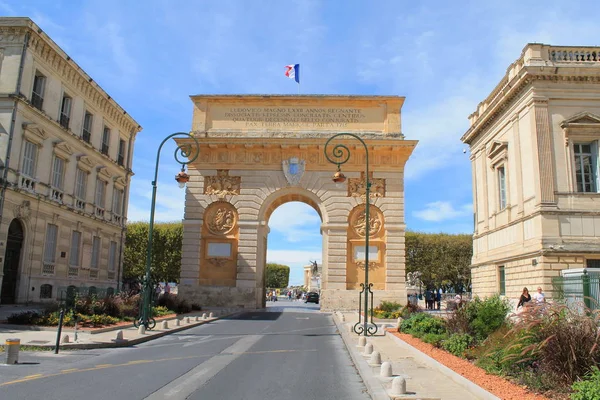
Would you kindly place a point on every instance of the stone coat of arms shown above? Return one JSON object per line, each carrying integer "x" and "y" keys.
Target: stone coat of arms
{"x": 293, "y": 169}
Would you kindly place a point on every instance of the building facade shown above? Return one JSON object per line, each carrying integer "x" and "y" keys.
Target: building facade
{"x": 65, "y": 162}
{"x": 534, "y": 145}
{"x": 259, "y": 152}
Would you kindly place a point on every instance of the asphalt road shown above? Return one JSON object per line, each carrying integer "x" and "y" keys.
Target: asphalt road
{"x": 287, "y": 351}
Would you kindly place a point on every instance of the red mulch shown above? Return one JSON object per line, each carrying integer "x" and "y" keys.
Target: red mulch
{"x": 494, "y": 384}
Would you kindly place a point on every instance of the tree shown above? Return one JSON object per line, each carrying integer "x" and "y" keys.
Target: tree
{"x": 440, "y": 260}
{"x": 277, "y": 276}
{"x": 166, "y": 251}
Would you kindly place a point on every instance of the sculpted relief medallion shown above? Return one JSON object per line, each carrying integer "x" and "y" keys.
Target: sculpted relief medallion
{"x": 360, "y": 224}
{"x": 222, "y": 184}
{"x": 221, "y": 218}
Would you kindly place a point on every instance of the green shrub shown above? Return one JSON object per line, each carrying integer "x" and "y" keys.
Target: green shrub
{"x": 409, "y": 309}
{"x": 421, "y": 324}
{"x": 386, "y": 314}
{"x": 101, "y": 319}
{"x": 435, "y": 339}
{"x": 173, "y": 303}
{"x": 589, "y": 387}
{"x": 389, "y": 306}
{"x": 486, "y": 316}
{"x": 458, "y": 344}
{"x": 25, "y": 318}
{"x": 159, "y": 311}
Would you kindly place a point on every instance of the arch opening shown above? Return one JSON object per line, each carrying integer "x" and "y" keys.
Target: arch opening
{"x": 12, "y": 261}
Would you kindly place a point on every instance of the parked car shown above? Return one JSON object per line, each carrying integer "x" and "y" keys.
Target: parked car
{"x": 312, "y": 297}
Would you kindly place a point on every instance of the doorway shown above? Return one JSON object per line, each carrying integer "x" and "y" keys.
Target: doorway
{"x": 12, "y": 259}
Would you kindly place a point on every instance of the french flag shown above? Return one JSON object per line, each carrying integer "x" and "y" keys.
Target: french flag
{"x": 293, "y": 72}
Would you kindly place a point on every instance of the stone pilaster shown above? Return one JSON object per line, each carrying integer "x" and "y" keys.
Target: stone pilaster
{"x": 544, "y": 149}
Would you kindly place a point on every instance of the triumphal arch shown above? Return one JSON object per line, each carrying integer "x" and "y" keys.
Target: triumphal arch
{"x": 258, "y": 152}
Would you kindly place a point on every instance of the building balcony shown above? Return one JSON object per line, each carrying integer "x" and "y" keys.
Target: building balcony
{"x": 26, "y": 183}
{"x": 99, "y": 212}
{"x": 56, "y": 195}
{"x": 93, "y": 273}
{"x": 48, "y": 268}
{"x": 73, "y": 271}
{"x": 64, "y": 121}
{"x": 79, "y": 204}
{"x": 111, "y": 275}
{"x": 37, "y": 101}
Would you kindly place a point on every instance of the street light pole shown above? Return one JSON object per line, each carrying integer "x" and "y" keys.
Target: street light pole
{"x": 188, "y": 153}
{"x": 340, "y": 154}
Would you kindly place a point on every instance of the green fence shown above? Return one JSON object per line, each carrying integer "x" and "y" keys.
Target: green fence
{"x": 67, "y": 294}
{"x": 578, "y": 291}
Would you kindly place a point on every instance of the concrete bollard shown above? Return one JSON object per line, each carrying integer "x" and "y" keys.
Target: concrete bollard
{"x": 398, "y": 386}
{"x": 119, "y": 336}
{"x": 368, "y": 349}
{"x": 177, "y": 322}
{"x": 12, "y": 347}
{"x": 375, "y": 360}
{"x": 65, "y": 339}
{"x": 165, "y": 325}
{"x": 197, "y": 318}
{"x": 211, "y": 315}
{"x": 204, "y": 316}
{"x": 350, "y": 329}
{"x": 142, "y": 329}
{"x": 187, "y": 320}
{"x": 362, "y": 341}
{"x": 386, "y": 370}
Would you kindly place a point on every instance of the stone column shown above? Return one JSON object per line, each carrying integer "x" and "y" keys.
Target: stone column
{"x": 250, "y": 256}
{"x": 190, "y": 252}
{"x": 334, "y": 295}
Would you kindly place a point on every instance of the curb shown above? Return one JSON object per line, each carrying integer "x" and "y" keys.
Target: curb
{"x": 456, "y": 377}
{"x": 374, "y": 386}
{"x": 132, "y": 342}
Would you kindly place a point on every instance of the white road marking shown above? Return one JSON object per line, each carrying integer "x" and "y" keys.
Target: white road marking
{"x": 188, "y": 383}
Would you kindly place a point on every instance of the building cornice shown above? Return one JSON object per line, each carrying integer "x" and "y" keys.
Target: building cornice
{"x": 46, "y": 49}
{"x": 538, "y": 62}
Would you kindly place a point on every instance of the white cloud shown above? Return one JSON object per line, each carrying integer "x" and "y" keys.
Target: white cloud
{"x": 442, "y": 211}
{"x": 296, "y": 221}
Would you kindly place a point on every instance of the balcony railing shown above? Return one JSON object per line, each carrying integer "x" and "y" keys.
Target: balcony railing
{"x": 27, "y": 183}
{"x": 64, "y": 121}
{"x": 111, "y": 275}
{"x": 80, "y": 204}
{"x": 570, "y": 54}
{"x": 121, "y": 160}
{"x": 47, "y": 268}
{"x": 56, "y": 195}
{"x": 73, "y": 271}
{"x": 93, "y": 274}
{"x": 104, "y": 149}
{"x": 99, "y": 212}
{"x": 37, "y": 101}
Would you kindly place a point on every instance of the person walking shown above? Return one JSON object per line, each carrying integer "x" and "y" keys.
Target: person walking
{"x": 438, "y": 298}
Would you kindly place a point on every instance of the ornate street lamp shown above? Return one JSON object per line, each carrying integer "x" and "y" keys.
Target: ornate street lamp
{"x": 184, "y": 154}
{"x": 340, "y": 154}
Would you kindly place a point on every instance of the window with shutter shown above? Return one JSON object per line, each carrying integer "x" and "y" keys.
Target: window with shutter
{"x": 50, "y": 247}
{"x": 58, "y": 169}
{"x": 95, "y": 252}
{"x": 112, "y": 256}
{"x": 75, "y": 255}
{"x": 29, "y": 159}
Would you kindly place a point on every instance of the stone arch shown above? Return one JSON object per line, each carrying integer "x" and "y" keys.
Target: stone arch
{"x": 289, "y": 194}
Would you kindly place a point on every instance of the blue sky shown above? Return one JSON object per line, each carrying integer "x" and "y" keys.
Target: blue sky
{"x": 445, "y": 57}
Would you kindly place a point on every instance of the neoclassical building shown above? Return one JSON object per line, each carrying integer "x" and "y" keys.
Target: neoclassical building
{"x": 534, "y": 150}
{"x": 258, "y": 152}
{"x": 65, "y": 163}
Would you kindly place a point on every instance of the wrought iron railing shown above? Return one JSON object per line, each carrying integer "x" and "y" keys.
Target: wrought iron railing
{"x": 578, "y": 291}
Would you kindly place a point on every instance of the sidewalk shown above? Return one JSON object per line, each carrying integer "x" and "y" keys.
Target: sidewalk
{"x": 425, "y": 377}
{"x": 86, "y": 339}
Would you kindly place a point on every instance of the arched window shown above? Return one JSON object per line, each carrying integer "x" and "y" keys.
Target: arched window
{"x": 92, "y": 291}
{"x": 110, "y": 291}
{"x": 46, "y": 291}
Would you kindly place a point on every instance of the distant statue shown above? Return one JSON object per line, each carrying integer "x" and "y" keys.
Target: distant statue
{"x": 314, "y": 268}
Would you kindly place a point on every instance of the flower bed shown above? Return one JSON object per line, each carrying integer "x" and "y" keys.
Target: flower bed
{"x": 492, "y": 383}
